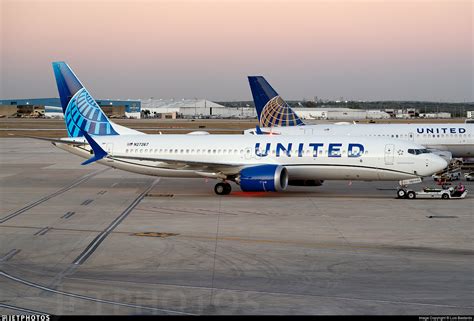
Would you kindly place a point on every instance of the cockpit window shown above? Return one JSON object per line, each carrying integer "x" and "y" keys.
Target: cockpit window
{"x": 418, "y": 151}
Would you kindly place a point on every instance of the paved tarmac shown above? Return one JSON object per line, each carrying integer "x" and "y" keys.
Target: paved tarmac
{"x": 93, "y": 240}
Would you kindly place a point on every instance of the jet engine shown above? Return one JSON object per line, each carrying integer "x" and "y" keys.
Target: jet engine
{"x": 263, "y": 178}
{"x": 305, "y": 182}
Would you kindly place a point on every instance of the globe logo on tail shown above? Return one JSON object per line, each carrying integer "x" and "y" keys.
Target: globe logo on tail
{"x": 83, "y": 114}
{"x": 277, "y": 113}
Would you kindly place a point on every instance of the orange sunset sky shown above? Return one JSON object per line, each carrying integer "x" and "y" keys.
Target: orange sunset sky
{"x": 368, "y": 50}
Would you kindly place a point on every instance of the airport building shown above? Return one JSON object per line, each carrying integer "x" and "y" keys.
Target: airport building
{"x": 51, "y": 107}
{"x": 202, "y": 108}
{"x": 339, "y": 113}
{"x": 440, "y": 115}
{"x": 192, "y": 108}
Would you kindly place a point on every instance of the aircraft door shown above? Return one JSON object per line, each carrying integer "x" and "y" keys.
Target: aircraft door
{"x": 389, "y": 154}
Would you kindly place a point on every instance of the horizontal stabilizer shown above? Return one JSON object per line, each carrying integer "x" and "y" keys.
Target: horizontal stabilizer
{"x": 99, "y": 153}
{"x": 53, "y": 140}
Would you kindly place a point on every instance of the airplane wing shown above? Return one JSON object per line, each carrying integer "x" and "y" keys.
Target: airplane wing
{"x": 226, "y": 168}
{"x": 206, "y": 169}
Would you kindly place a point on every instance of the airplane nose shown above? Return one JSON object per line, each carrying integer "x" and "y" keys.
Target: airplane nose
{"x": 438, "y": 163}
{"x": 433, "y": 164}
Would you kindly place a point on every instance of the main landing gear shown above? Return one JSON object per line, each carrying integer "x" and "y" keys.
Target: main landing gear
{"x": 222, "y": 188}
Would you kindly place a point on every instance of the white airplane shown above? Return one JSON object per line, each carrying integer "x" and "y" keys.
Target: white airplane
{"x": 277, "y": 117}
{"x": 256, "y": 163}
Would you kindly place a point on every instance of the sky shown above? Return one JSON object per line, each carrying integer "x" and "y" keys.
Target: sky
{"x": 357, "y": 50}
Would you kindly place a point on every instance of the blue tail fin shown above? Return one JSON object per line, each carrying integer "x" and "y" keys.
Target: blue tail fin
{"x": 272, "y": 110}
{"x": 81, "y": 112}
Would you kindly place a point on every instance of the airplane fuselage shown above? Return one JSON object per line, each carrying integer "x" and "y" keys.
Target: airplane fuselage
{"x": 305, "y": 157}
{"x": 458, "y": 139}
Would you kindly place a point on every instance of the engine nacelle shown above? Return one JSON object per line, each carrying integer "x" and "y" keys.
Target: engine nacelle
{"x": 305, "y": 182}
{"x": 263, "y": 178}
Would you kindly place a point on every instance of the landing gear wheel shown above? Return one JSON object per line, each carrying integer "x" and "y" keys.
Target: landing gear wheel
{"x": 411, "y": 195}
{"x": 401, "y": 193}
{"x": 228, "y": 188}
{"x": 222, "y": 188}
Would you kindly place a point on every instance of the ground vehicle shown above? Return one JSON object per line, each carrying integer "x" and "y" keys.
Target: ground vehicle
{"x": 450, "y": 176}
{"x": 428, "y": 192}
{"x": 469, "y": 176}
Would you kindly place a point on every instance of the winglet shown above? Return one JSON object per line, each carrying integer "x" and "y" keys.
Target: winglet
{"x": 99, "y": 153}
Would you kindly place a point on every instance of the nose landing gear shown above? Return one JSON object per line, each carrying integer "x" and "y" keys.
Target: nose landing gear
{"x": 223, "y": 188}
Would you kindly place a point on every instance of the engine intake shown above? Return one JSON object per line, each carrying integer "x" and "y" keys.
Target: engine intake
{"x": 263, "y": 178}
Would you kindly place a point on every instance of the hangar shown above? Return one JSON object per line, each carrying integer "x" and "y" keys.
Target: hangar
{"x": 193, "y": 108}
